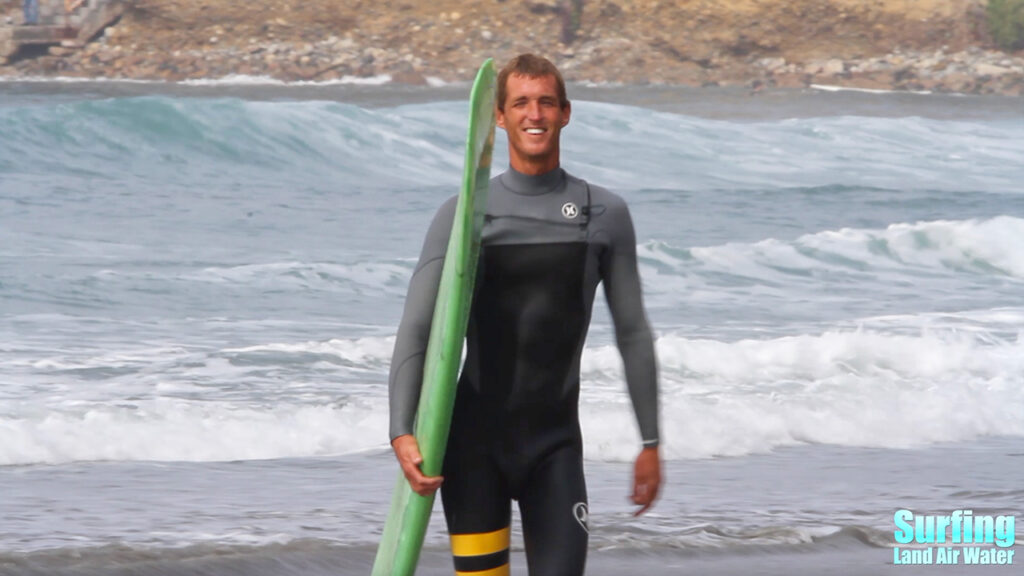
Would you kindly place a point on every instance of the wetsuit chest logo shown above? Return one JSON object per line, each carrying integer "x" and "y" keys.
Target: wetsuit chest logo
{"x": 570, "y": 211}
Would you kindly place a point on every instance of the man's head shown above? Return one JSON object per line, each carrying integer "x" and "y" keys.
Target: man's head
{"x": 532, "y": 109}
{"x": 530, "y": 66}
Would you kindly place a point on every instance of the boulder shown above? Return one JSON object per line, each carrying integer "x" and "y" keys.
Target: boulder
{"x": 833, "y": 67}
{"x": 984, "y": 69}
{"x": 7, "y": 45}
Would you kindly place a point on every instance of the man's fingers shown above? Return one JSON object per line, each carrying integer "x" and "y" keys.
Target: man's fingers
{"x": 429, "y": 485}
{"x": 409, "y": 458}
{"x": 646, "y": 479}
{"x": 644, "y": 496}
{"x": 645, "y": 492}
{"x": 423, "y": 485}
{"x": 644, "y": 501}
{"x": 643, "y": 509}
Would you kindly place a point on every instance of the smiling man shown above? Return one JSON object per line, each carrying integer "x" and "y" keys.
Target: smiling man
{"x": 549, "y": 239}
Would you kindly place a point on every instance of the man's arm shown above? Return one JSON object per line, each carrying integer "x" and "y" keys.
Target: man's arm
{"x": 406, "y": 376}
{"x": 636, "y": 345}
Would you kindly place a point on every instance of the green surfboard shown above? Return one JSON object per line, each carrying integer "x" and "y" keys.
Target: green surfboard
{"x": 407, "y": 521}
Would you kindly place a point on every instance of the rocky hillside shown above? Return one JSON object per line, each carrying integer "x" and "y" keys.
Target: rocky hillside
{"x": 907, "y": 44}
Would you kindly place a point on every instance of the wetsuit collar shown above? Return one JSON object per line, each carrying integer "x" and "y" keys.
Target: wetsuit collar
{"x": 533, "y": 185}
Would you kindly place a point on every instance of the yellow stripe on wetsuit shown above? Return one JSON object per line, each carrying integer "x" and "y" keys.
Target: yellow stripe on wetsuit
{"x": 483, "y": 554}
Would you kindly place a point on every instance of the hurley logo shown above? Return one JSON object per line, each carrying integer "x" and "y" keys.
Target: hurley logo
{"x": 579, "y": 511}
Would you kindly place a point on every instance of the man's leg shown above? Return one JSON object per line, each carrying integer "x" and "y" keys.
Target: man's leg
{"x": 478, "y": 509}
{"x": 553, "y": 504}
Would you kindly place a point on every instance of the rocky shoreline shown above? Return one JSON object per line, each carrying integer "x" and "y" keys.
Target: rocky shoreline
{"x": 406, "y": 47}
{"x": 972, "y": 71}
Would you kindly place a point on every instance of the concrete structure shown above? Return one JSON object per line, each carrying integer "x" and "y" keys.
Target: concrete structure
{"x": 70, "y": 24}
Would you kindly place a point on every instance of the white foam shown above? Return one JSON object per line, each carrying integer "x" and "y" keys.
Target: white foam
{"x": 833, "y": 88}
{"x": 856, "y": 388}
{"x": 167, "y": 429}
{"x": 894, "y": 382}
{"x": 976, "y": 245}
{"x": 365, "y": 351}
{"x": 77, "y": 80}
{"x": 249, "y": 80}
{"x": 235, "y": 80}
{"x": 965, "y": 244}
{"x": 360, "y": 276}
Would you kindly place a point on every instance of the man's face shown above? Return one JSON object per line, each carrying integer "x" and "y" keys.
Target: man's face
{"x": 533, "y": 118}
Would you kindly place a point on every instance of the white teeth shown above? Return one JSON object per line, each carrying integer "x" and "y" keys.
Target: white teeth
{"x": 534, "y": 130}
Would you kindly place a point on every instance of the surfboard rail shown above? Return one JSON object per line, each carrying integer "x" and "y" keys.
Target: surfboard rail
{"x": 409, "y": 516}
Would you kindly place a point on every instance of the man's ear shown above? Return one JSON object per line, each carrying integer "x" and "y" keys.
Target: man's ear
{"x": 568, "y": 113}
{"x": 499, "y": 118}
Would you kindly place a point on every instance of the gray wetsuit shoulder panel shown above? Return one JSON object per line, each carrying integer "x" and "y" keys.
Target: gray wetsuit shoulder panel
{"x": 552, "y": 210}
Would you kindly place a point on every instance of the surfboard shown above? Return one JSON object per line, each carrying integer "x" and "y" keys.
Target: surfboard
{"x": 407, "y": 521}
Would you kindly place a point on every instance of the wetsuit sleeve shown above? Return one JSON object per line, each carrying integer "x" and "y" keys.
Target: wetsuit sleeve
{"x": 406, "y": 376}
{"x": 632, "y": 332}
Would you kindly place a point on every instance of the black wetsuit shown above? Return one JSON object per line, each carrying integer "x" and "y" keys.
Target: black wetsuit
{"x": 548, "y": 241}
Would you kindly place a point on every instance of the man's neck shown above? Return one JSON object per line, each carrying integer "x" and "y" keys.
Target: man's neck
{"x": 533, "y": 168}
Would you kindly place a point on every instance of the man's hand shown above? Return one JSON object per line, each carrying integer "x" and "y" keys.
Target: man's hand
{"x": 407, "y": 450}
{"x": 646, "y": 479}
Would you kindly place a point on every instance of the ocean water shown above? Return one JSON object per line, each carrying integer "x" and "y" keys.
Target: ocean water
{"x": 200, "y": 284}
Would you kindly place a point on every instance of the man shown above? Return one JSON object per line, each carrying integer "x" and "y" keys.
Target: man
{"x": 548, "y": 240}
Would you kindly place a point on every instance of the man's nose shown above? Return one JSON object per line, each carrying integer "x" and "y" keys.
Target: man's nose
{"x": 533, "y": 110}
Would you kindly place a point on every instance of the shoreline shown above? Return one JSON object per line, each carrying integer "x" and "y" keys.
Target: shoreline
{"x": 972, "y": 71}
{"x": 937, "y": 46}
